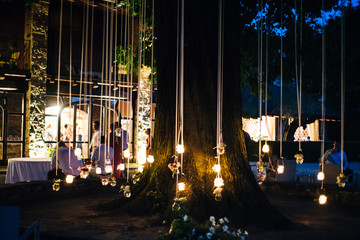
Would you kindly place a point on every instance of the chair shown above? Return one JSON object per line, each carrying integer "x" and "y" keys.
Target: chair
{"x": 289, "y": 171}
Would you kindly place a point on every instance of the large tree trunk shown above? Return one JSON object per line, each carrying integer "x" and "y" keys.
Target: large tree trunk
{"x": 243, "y": 201}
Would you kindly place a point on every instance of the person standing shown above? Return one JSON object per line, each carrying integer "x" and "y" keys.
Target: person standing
{"x": 96, "y": 137}
{"x": 115, "y": 143}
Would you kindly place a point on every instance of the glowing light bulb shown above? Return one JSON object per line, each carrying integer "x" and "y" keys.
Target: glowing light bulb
{"x": 104, "y": 181}
{"x": 69, "y": 179}
{"x": 280, "y": 169}
{"x": 218, "y": 182}
{"x": 108, "y": 169}
{"x": 98, "y": 170}
{"x": 266, "y": 148}
{"x": 121, "y": 166}
{"x": 320, "y": 176}
{"x": 322, "y": 199}
{"x": 127, "y": 153}
{"x": 84, "y": 174}
{"x": 180, "y": 148}
{"x": 217, "y": 168}
{"x": 181, "y": 186}
{"x": 141, "y": 168}
{"x": 150, "y": 159}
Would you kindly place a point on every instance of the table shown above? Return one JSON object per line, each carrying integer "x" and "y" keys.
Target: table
{"x": 27, "y": 169}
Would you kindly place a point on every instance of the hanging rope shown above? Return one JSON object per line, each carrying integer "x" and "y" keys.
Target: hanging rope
{"x": 58, "y": 85}
{"x": 342, "y": 86}
{"x": 70, "y": 89}
{"x": 281, "y": 80}
{"x": 323, "y": 96}
{"x": 260, "y": 26}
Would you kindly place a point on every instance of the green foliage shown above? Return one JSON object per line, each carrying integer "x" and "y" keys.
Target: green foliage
{"x": 50, "y": 151}
{"x": 29, "y": 4}
{"x": 185, "y": 227}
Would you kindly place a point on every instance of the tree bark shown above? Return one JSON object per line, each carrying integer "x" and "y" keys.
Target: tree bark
{"x": 243, "y": 201}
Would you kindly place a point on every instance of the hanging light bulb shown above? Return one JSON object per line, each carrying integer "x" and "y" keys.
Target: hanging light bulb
{"x": 181, "y": 186}
{"x": 121, "y": 166}
{"x": 78, "y": 152}
{"x": 180, "y": 148}
{"x": 280, "y": 168}
{"x": 322, "y": 199}
{"x": 218, "y": 182}
{"x": 69, "y": 179}
{"x": 216, "y": 168}
{"x": 84, "y": 173}
{"x": 108, "y": 169}
{"x": 299, "y": 157}
{"x": 56, "y": 185}
{"x": 150, "y": 159}
{"x": 320, "y": 176}
{"x": 127, "y": 153}
{"x": 98, "y": 170}
{"x": 266, "y": 148}
{"x": 104, "y": 181}
{"x": 127, "y": 192}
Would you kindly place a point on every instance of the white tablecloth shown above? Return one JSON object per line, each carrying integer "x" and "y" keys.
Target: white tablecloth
{"x": 27, "y": 169}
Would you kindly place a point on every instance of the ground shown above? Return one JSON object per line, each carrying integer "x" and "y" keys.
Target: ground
{"x": 71, "y": 214}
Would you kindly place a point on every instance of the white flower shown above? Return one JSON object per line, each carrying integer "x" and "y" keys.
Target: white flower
{"x": 239, "y": 232}
{"x": 209, "y": 235}
{"x": 221, "y": 221}
{"x": 212, "y": 219}
{"x": 186, "y": 218}
{"x": 193, "y": 232}
{"x": 246, "y": 233}
{"x": 225, "y": 228}
{"x": 212, "y": 229}
{"x": 226, "y": 220}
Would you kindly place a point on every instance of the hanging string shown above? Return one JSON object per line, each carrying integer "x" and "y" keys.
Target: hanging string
{"x": 342, "y": 85}
{"x": 323, "y": 96}
{"x": 298, "y": 84}
{"x": 260, "y": 72}
{"x": 58, "y": 85}
{"x": 70, "y": 88}
{"x": 266, "y": 75}
{"x": 152, "y": 71}
{"x": 281, "y": 79}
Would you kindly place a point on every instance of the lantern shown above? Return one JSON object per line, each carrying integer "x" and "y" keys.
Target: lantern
{"x": 320, "y": 176}
{"x": 112, "y": 181}
{"x": 121, "y": 166}
{"x": 98, "y": 170}
{"x": 150, "y": 159}
{"x": 217, "y": 193}
{"x": 104, "y": 181}
{"x": 69, "y": 179}
{"x": 181, "y": 186}
{"x": 280, "y": 169}
{"x": 118, "y": 132}
{"x": 266, "y": 148}
{"x": 84, "y": 173}
{"x": 322, "y": 199}
{"x": 180, "y": 148}
{"x": 341, "y": 179}
{"x": 108, "y": 169}
{"x": 56, "y": 185}
{"x": 220, "y": 148}
{"x": 299, "y": 157}
{"x": 127, "y": 192}
{"x": 88, "y": 164}
{"x": 216, "y": 168}
{"x": 127, "y": 153}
